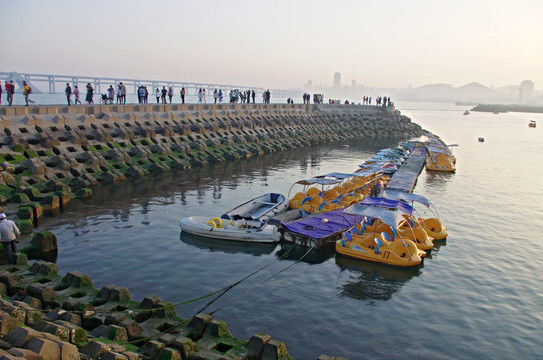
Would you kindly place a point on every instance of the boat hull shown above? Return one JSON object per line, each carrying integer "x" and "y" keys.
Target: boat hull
{"x": 398, "y": 253}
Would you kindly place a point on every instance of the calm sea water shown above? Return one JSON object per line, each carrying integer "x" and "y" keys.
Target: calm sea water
{"x": 477, "y": 296}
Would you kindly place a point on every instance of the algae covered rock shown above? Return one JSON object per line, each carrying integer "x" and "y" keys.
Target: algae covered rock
{"x": 43, "y": 246}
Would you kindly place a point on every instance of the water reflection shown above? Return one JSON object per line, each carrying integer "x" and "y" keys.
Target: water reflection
{"x": 372, "y": 281}
{"x": 227, "y": 246}
{"x": 310, "y": 256}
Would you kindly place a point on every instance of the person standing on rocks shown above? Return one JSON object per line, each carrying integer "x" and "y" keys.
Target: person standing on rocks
{"x": 68, "y": 92}
{"x": 10, "y": 233}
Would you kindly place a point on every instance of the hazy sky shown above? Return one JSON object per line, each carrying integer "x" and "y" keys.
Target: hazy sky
{"x": 278, "y": 43}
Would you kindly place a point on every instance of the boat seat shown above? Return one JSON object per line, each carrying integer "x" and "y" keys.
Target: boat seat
{"x": 355, "y": 247}
{"x": 378, "y": 245}
{"x": 265, "y": 203}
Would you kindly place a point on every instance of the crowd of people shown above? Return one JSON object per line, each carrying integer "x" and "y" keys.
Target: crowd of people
{"x": 166, "y": 96}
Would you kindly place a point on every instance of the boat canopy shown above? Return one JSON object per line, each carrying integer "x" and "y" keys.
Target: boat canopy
{"x": 389, "y": 217}
{"x": 409, "y": 197}
{"x": 389, "y": 204}
{"x": 436, "y": 149}
{"x": 343, "y": 176}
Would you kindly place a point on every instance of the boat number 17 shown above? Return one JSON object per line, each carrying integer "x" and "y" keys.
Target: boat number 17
{"x": 386, "y": 254}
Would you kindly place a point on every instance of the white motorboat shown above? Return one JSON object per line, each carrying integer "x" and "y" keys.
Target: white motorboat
{"x": 229, "y": 229}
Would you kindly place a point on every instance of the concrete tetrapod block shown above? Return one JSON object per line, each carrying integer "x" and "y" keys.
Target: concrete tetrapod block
{"x": 7, "y": 323}
{"x": 186, "y": 346}
{"x": 94, "y": 349}
{"x": 274, "y": 350}
{"x": 198, "y": 325}
{"x": 255, "y": 345}
{"x": 23, "y": 354}
{"x": 46, "y": 348}
{"x": 61, "y": 331}
{"x": 20, "y": 336}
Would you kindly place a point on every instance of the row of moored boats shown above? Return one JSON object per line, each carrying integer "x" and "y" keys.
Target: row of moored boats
{"x": 388, "y": 227}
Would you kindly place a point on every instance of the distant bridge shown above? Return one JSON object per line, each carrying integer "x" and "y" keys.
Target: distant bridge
{"x": 57, "y": 83}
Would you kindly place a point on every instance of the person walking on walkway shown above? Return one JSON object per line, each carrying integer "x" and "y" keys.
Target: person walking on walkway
{"x": 76, "y": 95}
{"x": 170, "y": 94}
{"x": 183, "y": 93}
{"x": 90, "y": 94}
{"x": 164, "y": 93}
{"x": 10, "y": 233}
{"x": 27, "y": 90}
{"x": 68, "y": 92}
{"x": 11, "y": 90}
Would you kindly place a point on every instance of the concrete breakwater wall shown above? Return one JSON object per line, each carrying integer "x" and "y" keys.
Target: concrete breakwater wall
{"x": 44, "y": 315}
{"x": 49, "y": 154}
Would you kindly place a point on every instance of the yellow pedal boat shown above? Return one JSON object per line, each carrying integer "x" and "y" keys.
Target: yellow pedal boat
{"x": 374, "y": 246}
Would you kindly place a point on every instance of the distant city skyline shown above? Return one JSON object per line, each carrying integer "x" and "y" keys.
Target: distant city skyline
{"x": 280, "y": 44}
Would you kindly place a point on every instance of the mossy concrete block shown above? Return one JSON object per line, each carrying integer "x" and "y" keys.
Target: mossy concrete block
{"x": 217, "y": 328}
{"x": 33, "y": 193}
{"x": 42, "y": 292}
{"x": 11, "y": 280}
{"x": 115, "y": 318}
{"x": 52, "y": 201}
{"x": 133, "y": 329}
{"x": 21, "y": 258}
{"x": 117, "y": 333}
{"x": 198, "y": 325}
{"x": 152, "y": 348}
{"x": 255, "y": 345}
{"x": 44, "y": 268}
{"x": 149, "y": 302}
{"x": 38, "y": 210}
{"x": 275, "y": 350}
{"x": 19, "y": 198}
{"x": 186, "y": 346}
{"x": 77, "y": 279}
{"x": 26, "y": 227}
{"x": 114, "y": 293}
{"x": 58, "y": 330}
{"x": 42, "y": 245}
{"x": 7, "y": 323}
{"x": 84, "y": 194}
{"x": 64, "y": 198}
{"x": 169, "y": 354}
{"x": 25, "y": 213}
{"x": 164, "y": 310}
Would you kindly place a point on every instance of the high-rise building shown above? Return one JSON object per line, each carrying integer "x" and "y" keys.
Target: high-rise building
{"x": 337, "y": 81}
{"x": 526, "y": 91}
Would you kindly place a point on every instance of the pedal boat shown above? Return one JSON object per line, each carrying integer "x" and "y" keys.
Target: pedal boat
{"x": 228, "y": 229}
{"x": 375, "y": 247}
{"x": 433, "y": 225}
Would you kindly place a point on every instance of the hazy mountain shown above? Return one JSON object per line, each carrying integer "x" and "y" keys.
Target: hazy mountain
{"x": 445, "y": 92}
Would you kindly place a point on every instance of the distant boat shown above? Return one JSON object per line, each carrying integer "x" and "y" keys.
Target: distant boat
{"x": 481, "y": 139}
{"x": 466, "y": 112}
{"x": 532, "y": 123}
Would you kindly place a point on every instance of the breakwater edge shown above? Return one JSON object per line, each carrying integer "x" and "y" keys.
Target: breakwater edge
{"x": 75, "y": 151}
